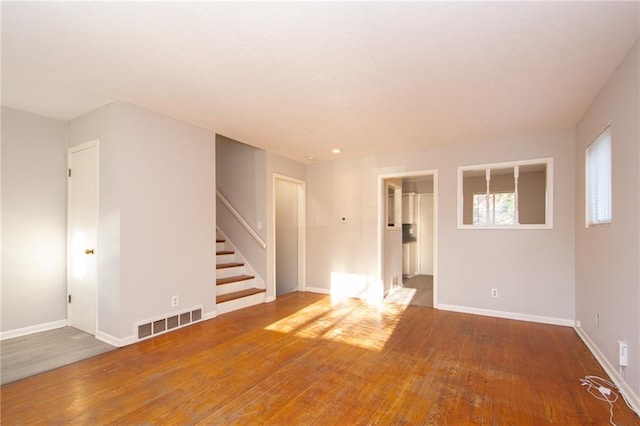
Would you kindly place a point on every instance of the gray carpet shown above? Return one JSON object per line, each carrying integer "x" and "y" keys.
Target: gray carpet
{"x": 28, "y": 355}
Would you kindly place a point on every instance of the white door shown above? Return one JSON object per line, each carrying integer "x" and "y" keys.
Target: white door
{"x": 82, "y": 225}
{"x": 425, "y": 238}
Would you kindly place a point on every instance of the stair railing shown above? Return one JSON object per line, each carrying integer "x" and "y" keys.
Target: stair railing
{"x": 240, "y": 219}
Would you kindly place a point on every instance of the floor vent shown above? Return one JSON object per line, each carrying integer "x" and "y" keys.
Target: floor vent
{"x": 157, "y": 326}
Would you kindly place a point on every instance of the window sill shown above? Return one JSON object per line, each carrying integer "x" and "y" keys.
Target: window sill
{"x": 511, "y": 227}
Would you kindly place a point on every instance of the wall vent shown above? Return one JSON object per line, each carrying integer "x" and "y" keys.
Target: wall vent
{"x": 153, "y": 327}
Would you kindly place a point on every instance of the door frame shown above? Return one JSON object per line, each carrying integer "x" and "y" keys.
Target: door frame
{"x": 302, "y": 228}
{"x": 382, "y": 196}
{"x": 70, "y": 151}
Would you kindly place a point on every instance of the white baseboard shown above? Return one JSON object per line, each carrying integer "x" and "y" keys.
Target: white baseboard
{"x": 114, "y": 341}
{"x": 615, "y": 377}
{"x": 318, "y": 290}
{"x": 507, "y": 315}
{"x": 209, "y": 315}
{"x": 32, "y": 329}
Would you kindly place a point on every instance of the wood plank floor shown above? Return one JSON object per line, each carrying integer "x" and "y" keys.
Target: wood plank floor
{"x": 307, "y": 360}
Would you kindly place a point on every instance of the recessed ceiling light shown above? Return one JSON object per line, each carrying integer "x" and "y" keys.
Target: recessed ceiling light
{"x": 336, "y": 151}
{"x": 311, "y": 158}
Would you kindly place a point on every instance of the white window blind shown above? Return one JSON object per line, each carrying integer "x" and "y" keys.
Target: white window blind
{"x": 598, "y": 179}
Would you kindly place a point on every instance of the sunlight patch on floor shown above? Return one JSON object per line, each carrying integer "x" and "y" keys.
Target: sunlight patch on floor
{"x": 350, "y": 321}
{"x": 344, "y": 285}
{"x": 401, "y": 295}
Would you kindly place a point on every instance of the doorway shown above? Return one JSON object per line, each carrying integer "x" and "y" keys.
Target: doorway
{"x": 82, "y": 236}
{"x": 418, "y": 248}
{"x": 289, "y": 225}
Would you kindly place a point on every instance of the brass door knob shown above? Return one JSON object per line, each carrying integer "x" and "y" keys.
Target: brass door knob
{"x": 88, "y": 251}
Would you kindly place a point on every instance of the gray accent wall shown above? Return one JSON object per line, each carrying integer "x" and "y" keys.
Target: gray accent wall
{"x": 34, "y": 220}
{"x": 607, "y": 256}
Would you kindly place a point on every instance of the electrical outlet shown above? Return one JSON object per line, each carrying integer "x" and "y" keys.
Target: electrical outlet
{"x": 174, "y": 301}
{"x": 494, "y": 292}
{"x": 622, "y": 353}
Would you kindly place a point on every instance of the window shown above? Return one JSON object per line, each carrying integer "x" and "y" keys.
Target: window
{"x": 506, "y": 195}
{"x": 598, "y": 179}
{"x": 496, "y": 208}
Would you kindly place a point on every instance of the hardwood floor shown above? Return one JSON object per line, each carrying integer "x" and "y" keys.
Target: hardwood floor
{"x": 307, "y": 360}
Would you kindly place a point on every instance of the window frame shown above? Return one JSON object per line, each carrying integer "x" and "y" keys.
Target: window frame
{"x": 548, "y": 162}
{"x": 589, "y": 222}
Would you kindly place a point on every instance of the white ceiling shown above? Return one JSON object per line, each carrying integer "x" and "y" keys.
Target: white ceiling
{"x": 301, "y": 78}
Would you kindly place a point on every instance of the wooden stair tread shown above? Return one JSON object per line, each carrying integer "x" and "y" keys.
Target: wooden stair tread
{"x": 220, "y": 240}
{"x": 228, "y": 265}
{"x": 234, "y": 279}
{"x": 239, "y": 294}
{"x": 223, "y": 252}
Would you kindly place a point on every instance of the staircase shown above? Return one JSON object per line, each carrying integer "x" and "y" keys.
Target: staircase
{"x": 237, "y": 286}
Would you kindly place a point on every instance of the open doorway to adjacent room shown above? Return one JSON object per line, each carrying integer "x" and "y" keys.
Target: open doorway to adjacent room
{"x": 414, "y": 243}
{"x": 289, "y": 221}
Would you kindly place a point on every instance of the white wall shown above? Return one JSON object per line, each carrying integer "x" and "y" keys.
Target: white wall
{"x": 168, "y": 216}
{"x": 391, "y": 242}
{"x": 607, "y": 275}
{"x": 343, "y": 254}
{"x": 34, "y": 220}
{"x": 157, "y": 215}
{"x": 535, "y": 275}
{"x": 242, "y": 178}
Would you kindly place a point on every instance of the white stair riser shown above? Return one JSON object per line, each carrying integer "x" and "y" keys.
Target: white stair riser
{"x": 236, "y": 286}
{"x": 224, "y": 258}
{"x": 231, "y": 272}
{"x": 221, "y": 246}
{"x": 244, "y": 302}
